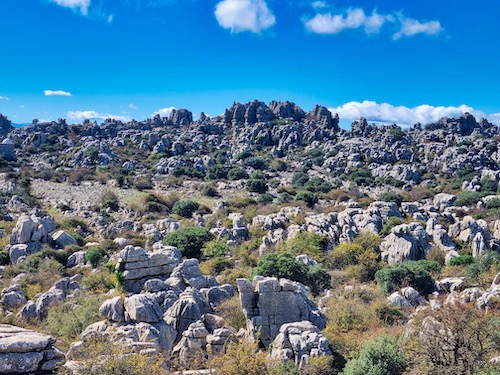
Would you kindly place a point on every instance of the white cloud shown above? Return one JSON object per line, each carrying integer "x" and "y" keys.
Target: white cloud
{"x": 401, "y": 115}
{"x": 410, "y": 27}
{"x": 319, "y": 4}
{"x": 353, "y": 18}
{"x": 56, "y": 93}
{"x": 132, "y": 106}
{"x": 244, "y": 15}
{"x": 164, "y": 112}
{"x": 94, "y": 115}
{"x": 4, "y": 98}
{"x": 356, "y": 18}
{"x": 82, "y": 5}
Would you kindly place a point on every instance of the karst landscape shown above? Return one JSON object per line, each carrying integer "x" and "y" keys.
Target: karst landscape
{"x": 267, "y": 240}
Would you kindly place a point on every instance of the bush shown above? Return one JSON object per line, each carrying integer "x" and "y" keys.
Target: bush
{"x": 265, "y": 198}
{"x": 255, "y": 162}
{"x": 217, "y": 172}
{"x": 317, "y": 184}
{"x": 237, "y": 174}
{"x": 209, "y": 191}
{"x": 110, "y": 200}
{"x": 391, "y": 197}
{"x": 4, "y": 258}
{"x": 462, "y": 260}
{"x": 71, "y": 318}
{"x": 361, "y": 177}
{"x": 185, "y": 207}
{"x": 94, "y": 256}
{"x": 308, "y": 243}
{"x": 215, "y": 249}
{"x": 189, "y": 240}
{"x": 469, "y": 198}
{"x": 308, "y": 197}
{"x": 489, "y": 185}
{"x": 484, "y": 263}
{"x": 410, "y": 273}
{"x": 389, "y": 224}
{"x": 493, "y": 203}
{"x": 257, "y": 186}
{"x": 100, "y": 282}
{"x": 299, "y": 179}
{"x": 284, "y": 265}
{"x": 382, "y": 356}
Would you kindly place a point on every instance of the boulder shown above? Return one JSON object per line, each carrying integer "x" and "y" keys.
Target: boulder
{"x": 63, "y": 239}
{"x": 141, "y": 308}
{"x": 299, "y": 341}
{"x": 113, "y": 310}
{"x": 268, "y": 303}
{"x": 23, "y": 351}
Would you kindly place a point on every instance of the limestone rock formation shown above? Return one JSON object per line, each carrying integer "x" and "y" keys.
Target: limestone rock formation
{"x": 268, "y": 303}
{"x": 25, "y": 352}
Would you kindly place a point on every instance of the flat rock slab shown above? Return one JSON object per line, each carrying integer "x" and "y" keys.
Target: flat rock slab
{"x": 19, "y": 340}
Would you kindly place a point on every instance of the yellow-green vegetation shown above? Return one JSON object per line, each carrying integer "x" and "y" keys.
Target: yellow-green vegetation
{"x": 232, "y": 313}
{"x": 356, "y": 313}
{"x": 68, "y": 319}
{"x": 100, "y": 356}
{"x": 308, "y": 243}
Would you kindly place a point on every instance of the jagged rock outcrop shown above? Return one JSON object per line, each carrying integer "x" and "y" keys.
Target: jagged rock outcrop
{"x": 406, "y": 242}
{"x": 136, "y": 266}
{"x": 299, "y": 341}
{"x": 24, "y": 351}
{"x": 268, "y": 303}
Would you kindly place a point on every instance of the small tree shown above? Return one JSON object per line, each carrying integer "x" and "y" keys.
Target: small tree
{"x": 185, "y": 207}
{"x": 382, "y": 356}
{"x": 189, "y": 240}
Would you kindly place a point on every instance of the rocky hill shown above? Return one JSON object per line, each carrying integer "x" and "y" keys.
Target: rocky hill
{"x": 267, "y": 233}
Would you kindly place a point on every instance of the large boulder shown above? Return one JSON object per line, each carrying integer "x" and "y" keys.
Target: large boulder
{"x": 298, "y": 342}
{"x": 63, "y": 239}
{"x": 268, "y": 303}
{"x": 406, "y": 242}
{"x": 137, "y": 266}
{"x": 142, "y": 308}
{"x": 24, "y": 352}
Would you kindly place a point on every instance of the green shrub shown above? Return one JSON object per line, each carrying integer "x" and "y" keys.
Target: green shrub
{"x": 391, "y": 197}
{"x": 493, "y": 203}
{"x": 489, "y": 185}
{"x": 462, "y": 260}
{"x": 381, "y": 356}
{"x": 100, "y": 282}
{"x": 308, "y": 243}
{"x": 299, "y": 179}
{"x": 416, "y": 274}
{"x": 317, "y": 184}
{"x": 237, "y": 174}
{"x": 284, "y": 265}
{"x": 361, "y": 177}
{"x": 469, "y": 198}
{"x": 94, "y": 256}
{"x": 189, "y": 240}
{"x": 209, "y": 191}
{"x": 110, "y": 200}
{"x": 483, "y": 264}
{"x": 389, "y": 224}
{"x": 217, "y": 172}
{"x": 71, "y": 318}
{"x": 256, "y": 162}
{"x": 4, "y": 258}
{"x": 257, "y": 186}
{"x": 265, "y": 198}
{"x": 215, "y": 249}
{"x": 185, "y": 207}
{"x": 308, "y": 197}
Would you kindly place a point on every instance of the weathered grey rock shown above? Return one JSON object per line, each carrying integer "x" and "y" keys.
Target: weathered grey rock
{"x": 188, "y": 309}
{"x": 217, "y": 294}
{"x": 268, "y": 303}
{"x": 406, "y": 242}
{"x": 142, "y": 308}
{"x": 138, "y": 266}
{"x": 77, "y": 259}
{"x": 23, "y": 351}
{"x": 298, "y": 342}
{"x": 28, "y": 311}
{"x": 12, "y": 297}
{"x": 19, "y": 252}
{"x": 63, "y": 239}
{"x": 113, "y": 309}
{"x": 443, "y": 200}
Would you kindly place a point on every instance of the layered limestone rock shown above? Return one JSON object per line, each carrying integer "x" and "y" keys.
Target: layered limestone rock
{"x": 136, "y": 265}
{"x": 268, "y": 303}
{"x": 25, "y": 352}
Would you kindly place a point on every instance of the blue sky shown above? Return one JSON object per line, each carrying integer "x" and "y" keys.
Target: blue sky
{"x": 392, "y": 61}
